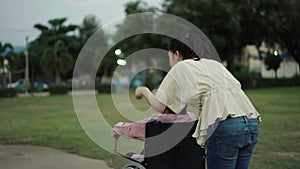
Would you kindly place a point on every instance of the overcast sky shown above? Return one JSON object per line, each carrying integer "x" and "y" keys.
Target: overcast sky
{"x": 19, "y": 16}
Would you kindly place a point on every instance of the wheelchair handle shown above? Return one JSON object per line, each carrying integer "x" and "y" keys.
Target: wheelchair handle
{"x": 116, "y": 145}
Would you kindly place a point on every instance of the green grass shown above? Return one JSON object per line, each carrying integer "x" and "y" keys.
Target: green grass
{"x": 279, "y": 140}
{"x": 51, "y": 121}
{"x": 45, "y": 121}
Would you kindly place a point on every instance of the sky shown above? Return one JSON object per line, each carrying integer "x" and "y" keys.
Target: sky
{"x": 17, "y": 17}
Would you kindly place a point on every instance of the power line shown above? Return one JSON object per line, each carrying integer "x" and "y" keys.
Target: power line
{"x": 16, "y": 30}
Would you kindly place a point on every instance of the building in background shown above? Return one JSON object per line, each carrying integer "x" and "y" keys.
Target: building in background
{"x": 255, "y": 62}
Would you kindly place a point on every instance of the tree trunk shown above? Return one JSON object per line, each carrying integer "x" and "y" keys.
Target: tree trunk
{"x": 57, "y": 77}
{"x": 2, "y": 74}
{"x": 298, "y": 68}
{"x": 3, "y": 80}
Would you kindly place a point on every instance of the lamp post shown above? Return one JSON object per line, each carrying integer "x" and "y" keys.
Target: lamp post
{"x": 27, "y": 82}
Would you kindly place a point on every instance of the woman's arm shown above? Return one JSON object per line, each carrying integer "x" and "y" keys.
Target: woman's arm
{"x": 143, "y": 91}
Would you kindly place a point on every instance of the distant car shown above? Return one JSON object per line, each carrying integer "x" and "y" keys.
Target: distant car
{"x": 19, "y": 85}
{"x": 40, "y": 86}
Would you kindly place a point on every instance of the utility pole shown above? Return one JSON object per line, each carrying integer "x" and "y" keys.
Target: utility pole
{"x": 27, "y": 82}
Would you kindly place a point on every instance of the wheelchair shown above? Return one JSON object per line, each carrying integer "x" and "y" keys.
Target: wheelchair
{"x": 166, "y": 146}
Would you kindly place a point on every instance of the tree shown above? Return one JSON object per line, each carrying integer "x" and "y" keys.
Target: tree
{"x": 272, "y": 22}
{"x": 98, "y": 43}
{"x": 217, "y": 19}
{"x": 57, "y": 40}
{"x": 136, "y": 23}
{"x": 272, "y": 62}
{"x": 141, "y": 22}
{"x": 7, "y": 54}
{"x": 262, "y": 20}
{"x": 56, "y": 31}
{"x": 138, "y": 6}
{"x": 56, "y": 60}
{"x": 89, "y": 26}
{"x": 289, "y": 32}
{"x": 230, "y": 25}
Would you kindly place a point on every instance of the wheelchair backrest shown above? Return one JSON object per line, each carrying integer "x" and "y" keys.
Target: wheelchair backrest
{"x": 171, "y": 146}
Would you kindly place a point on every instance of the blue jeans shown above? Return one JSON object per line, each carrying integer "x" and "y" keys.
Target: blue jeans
{"x": 232, "y": 143}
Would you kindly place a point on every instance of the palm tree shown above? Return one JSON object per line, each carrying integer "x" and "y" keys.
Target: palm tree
{"x": 57, "y": 60}
{"x": 6, "y": 53}
{"x": 53, "y": 50}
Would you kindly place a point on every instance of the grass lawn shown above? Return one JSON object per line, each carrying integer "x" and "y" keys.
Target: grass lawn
{"x": 51, "y": 121}
{"x": 279, "y": 140}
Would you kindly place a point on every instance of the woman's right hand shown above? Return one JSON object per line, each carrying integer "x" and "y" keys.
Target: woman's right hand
{"x": 140, "y": 91}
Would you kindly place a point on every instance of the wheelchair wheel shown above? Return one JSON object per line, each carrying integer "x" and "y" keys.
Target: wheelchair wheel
{"x": 133, "y": 165}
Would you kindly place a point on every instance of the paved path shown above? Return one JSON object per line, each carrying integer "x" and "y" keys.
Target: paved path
{"x": 33, "y": 157}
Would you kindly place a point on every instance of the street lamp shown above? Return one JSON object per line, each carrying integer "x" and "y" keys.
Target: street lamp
{"x": 275, "y": 53}
{"x": 120, "y": 61}
{"x": 118, "y": 52}
{"x": 27, "y": 82}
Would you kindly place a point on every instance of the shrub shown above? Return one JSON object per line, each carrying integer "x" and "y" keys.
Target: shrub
{"x": 245, "y": 77}
{"x": 8, "y": 92}
{"x": 56, "y": 89}
{"x": 253, "y": 80}
{"x": 294, "y": 81}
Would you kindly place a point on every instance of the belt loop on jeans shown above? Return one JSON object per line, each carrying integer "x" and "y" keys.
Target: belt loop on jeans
{"x": 245, "y": 119}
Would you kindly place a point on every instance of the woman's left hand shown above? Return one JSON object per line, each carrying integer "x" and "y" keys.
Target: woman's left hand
{"x": 115, "y": 135}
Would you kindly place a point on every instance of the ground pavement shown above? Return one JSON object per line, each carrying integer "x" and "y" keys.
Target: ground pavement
{"x": 33, "y": 157}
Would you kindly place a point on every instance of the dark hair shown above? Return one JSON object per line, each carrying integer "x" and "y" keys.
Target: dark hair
{"x": 180, "y": 44}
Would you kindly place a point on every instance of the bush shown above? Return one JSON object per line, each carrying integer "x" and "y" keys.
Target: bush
{"x": 294, "y": 81}
{"x": 8, "y": 92}
{"x": 104, "y": 88}
{"x": 56, "y": 89}
{"x": 245, "y": 77}
{"x": 253, "y": 80}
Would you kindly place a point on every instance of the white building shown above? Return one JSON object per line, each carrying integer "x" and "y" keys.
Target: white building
{"x": 250, "y": 57}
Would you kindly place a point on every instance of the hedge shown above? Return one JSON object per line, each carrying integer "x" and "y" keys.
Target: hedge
{"x": 8, "y": 92}
{"x": 58, "y": 89}
{"x": 254, "y": 80}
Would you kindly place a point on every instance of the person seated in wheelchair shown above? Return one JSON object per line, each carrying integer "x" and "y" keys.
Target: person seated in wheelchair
{"x": 137, "y": 130}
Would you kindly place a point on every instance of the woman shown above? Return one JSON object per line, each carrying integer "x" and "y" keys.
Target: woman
{"x": 228, "y": 125}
